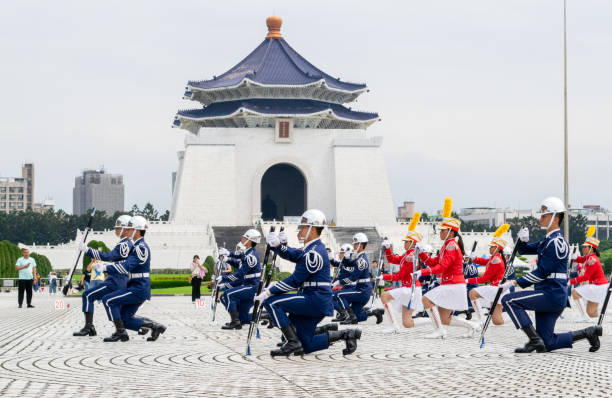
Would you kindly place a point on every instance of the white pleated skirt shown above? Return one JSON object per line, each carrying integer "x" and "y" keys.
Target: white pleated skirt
{"x": 452, "y": 297}
{"x": 593, "y": 293}
{"x": 401, "y": 298}
{"x": 488, "y": 295}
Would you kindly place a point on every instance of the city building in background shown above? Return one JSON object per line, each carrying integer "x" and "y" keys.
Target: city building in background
{"x": 44, "y": 206}
{"x": 97, "y": 188}
{"x": 406, "y": 211}
{"x": 17, "y": 193}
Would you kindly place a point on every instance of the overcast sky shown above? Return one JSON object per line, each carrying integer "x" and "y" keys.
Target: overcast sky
{"x": 469, "y": 92}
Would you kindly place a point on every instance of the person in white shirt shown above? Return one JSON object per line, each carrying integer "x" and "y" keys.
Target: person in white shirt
{"x": 26, "y": 266}
{"x": 196, "y": 277}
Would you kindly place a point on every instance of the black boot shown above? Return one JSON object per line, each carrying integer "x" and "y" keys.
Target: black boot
{"x": 88, "y": 329}
{"x": 143, "y": 331}
{"x": 156, "y": 328}
{"x": 351, "y": 319}
{"x": 378, "y": 313}
{"x": 292, "y": 344}
{"x": 265, "y": 320}
{"x": 350, "y": 336}
{"x": 234, "y": 323}
{"x": 341, "y": 316}
{"x": 120, "y": 333}
{"x": 592, "y": 334}
{"x": 535, "y": 342}
{"x": 326, "y": 328}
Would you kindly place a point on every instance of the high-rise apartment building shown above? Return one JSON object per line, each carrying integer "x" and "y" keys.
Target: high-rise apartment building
{"x": 97, "y": 188}
{"x": 17, "y": 193}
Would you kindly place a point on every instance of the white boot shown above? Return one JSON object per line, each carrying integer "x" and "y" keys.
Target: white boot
{"x": 439, "y": 331}
{"x": 419, "y": 322}
{"x": 390, "y": 317}
{"x": 478, "y": 311}
{"x": 583, "y": 315}
{"x": 471, "y": 327}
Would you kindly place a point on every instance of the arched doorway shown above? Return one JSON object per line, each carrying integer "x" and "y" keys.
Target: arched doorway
{"x": 283, "y": 192}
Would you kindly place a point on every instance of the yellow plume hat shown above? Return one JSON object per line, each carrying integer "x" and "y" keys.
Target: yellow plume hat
{"x": 415, "y": 220}
{"x": 591, "y": 240}
{"x": 449, "y": 222}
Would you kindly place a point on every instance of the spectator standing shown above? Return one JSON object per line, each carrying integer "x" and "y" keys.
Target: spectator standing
{"x": 36, "y": 281}
{"x": 52, "y": 283}
{"x": 26, "y": 266}
{"x": 394, "y": 268}
{"x": 86, "y": 277}
{"x": 197, "y": 273}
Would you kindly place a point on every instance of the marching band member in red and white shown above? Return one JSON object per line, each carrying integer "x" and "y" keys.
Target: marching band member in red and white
{"x": 399, "y": 300}
{"x": 450, "y": 296}
{"x": 596, "y": 285}
{"x": 494, "y": 272}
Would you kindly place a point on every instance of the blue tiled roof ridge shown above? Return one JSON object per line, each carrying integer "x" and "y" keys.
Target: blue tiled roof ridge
{"x": 267, "y": 66}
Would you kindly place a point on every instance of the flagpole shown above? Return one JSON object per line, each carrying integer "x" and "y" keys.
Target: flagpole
{"x": 565, "y": 132}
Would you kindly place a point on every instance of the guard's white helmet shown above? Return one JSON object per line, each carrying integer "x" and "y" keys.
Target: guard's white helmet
{"x": 507, "y": 251}
{"x": 253, "y": 235}
{"x": 138, "y": 222}
{"x": 313, "y": 218}
{"x": 122, "y": 221}
{"x": 552, "y": 205}
{"x": 428, "y": 249}
{"x": 346, "y": 249}
{"x": 360, "y": 237}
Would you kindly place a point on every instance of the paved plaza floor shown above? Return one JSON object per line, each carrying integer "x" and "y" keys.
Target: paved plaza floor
{"x": 40, "y": 358}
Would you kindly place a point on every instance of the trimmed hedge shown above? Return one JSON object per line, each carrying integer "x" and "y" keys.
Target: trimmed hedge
{"x": 9, "y": 253}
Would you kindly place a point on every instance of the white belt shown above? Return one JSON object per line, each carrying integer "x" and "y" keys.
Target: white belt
{"x": 142, "y": 275}
{"x": 363, "y": 280}
{"x": 557, "y": 276}
{"x": 252, "y": 275}
{"x": 312, "y": 284}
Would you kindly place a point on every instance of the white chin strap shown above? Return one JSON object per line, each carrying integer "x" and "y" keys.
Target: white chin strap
{"x": 550, "y": 223}
{"x": 303, "y": 240}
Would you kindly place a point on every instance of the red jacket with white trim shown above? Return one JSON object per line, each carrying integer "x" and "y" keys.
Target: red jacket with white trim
{"x": 449, "y": 263}
{"x": 406, "y": 262}
{"x": 493, "y": 273}
{"x": 593, "y": 271}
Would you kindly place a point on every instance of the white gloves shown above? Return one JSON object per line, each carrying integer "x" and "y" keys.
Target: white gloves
{"x": 386, "y": 244}
{"x": 282, "y": 236}
{"x": 241, "y": 247}
{"x": 219, "y": 278}
{"x": 224, "y": 252}
{"x": 420, "y": 247}
{"x": 472, "y": 256}
{"x": 263, "y": 296}
{"x": 507, "y": 285}
{"x": 336, "y": 283}
{"x": 100, "y": 266}
{"x": 273, "y": 239}
{"x": 574, "y": 256}
{"x": 523, "y": 234}
{"x": 82, "y": 246}
{"x": 417, "y": 274}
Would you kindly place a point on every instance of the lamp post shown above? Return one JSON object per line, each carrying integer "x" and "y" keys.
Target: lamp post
{"x": 566, "y": 179}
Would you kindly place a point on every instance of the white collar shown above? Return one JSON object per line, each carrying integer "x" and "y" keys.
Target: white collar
{"x": 311, "y": 242}
{"x": 552, "y": 232}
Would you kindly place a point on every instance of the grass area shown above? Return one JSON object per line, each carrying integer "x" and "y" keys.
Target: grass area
{"x": 178, "y": 290}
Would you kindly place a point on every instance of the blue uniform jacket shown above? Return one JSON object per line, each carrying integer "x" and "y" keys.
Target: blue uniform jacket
{"x": 249, "y": 268}
{"x": 550, "y": 275}
{"x": 360, "y": 272}
{"x": 120, "y": 252}
{"x": 137, "y": 267}
{"x": 344, "y": 273}
{"x": 311, "y": 275}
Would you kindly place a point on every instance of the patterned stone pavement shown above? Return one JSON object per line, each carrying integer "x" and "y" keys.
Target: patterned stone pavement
{"x": 40, "y": 358}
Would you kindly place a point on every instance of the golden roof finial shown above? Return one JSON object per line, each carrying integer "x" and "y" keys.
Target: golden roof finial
{"x": 274, "y": 26}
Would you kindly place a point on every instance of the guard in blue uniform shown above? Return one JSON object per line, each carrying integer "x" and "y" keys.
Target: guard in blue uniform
{"x": 353, "y": 300}
{"x": 549, "y": 297}
{"x": 342, "y": 282}
{"x": 112, "y": 282}
{"x": 298, "y": 314}
{"x": 469, "y": 271}
{"x": 121, "y": 306}
{"x": 238, "y": 298}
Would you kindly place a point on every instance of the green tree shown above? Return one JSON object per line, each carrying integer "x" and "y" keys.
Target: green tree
{"x": 149, "y": 212}
{"x": 606, "y": 261}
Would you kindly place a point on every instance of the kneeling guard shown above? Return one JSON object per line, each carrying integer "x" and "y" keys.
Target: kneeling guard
{"x": 119, "y": 335}
{"x": 350, "y": 336}
{"x": 292, "y": 344}
{"x": 592, "y": 334}
{"x": 535, "y": 342}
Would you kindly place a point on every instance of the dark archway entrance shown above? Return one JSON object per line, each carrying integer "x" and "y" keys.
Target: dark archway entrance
{"x": 283, "y": 192}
